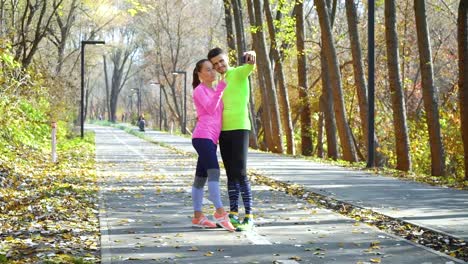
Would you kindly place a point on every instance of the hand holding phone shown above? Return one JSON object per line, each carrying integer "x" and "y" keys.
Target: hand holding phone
{"x": 249, "y": 57}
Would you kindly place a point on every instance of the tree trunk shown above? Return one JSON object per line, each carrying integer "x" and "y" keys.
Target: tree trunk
{"x": 349, "y": 151}
{"x": 396, "y": 89}
{"x": 326, "y": 101}
{"x": 265, "y": 113}
{"x": 2, "y": 18}
{"x": 240, "y": 41}
{"x": 358, "y": 68}
{"x": 320, "y": 135}
{"x": 462, "y": 25}
{"x": 430, "y": 93}
{"x": 239, "y": 25}
{"x": 306, "y": 122}
{"x": 359, "y": 77}
{"x": 283, "y": 90}
{"x": 326, "y": 106}
{"x": 263, "y": 62}
{"x": 229, "y": 30}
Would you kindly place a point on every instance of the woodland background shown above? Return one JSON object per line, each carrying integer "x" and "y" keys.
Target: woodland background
{"x": 308, "y": 94}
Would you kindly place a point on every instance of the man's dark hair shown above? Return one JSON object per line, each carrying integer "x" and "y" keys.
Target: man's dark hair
{"x": 215, "y": 52}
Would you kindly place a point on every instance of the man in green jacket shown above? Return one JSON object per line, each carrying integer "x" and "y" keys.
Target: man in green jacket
{"x": 234, "y": 138}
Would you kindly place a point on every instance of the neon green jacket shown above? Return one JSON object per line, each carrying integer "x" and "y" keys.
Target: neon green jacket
{"x": 236, "y": 98}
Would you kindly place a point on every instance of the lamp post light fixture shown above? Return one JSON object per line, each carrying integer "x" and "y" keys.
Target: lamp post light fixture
{"x": 184, "y": 123}
{"x": 82, "y": 110}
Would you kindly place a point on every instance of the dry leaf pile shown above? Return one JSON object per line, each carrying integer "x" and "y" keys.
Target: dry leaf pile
{"x": 441, "y": 242}
{"x": 48, "y": 212}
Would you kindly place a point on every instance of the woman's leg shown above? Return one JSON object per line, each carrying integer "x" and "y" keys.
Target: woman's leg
{"x": 197, "y": 189}
{"x": 206, "y": 150}
{"x": 201, "y": 177}
{"x": 213, "y": 190}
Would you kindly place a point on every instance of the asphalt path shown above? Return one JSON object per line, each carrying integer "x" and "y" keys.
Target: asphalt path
{"x": 146, "y": 210}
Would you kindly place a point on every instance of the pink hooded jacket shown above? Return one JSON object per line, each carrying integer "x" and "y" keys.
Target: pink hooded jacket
{"x": 209, "y": 108}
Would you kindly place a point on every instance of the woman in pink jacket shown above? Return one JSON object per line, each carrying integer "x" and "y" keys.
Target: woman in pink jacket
{"x": 209, "y": 106}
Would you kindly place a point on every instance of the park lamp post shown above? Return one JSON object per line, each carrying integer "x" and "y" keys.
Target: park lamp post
{"x": 371, "y": 84}
{"x": 184, "y": 124}
{"x": 161, "y": 87}
{"x": 83, "y": 44}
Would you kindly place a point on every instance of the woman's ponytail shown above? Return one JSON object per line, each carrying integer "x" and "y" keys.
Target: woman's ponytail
{"x": 196, "y": 80}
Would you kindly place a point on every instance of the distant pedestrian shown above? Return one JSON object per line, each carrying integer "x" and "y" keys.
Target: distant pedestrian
{"x": 234, "y": 138}
{"x": 141, "y": 123}
{"x": 209, "y": 107}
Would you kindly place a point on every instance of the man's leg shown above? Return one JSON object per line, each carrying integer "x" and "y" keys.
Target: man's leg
{"x": 241, "y": 143}
{"x": 225, "y": 146}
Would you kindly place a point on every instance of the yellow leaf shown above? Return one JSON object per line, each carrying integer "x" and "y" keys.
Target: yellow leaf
{"x": 208, "y": 254}
{"x": 375, "y": 260}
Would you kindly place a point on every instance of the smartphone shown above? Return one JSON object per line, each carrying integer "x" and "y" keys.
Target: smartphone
{"x": 244, "y": 58}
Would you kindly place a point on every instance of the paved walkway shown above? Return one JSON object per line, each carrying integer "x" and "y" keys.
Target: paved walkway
{"x": 437, "y": 208}
{"x": 146, "y": 209}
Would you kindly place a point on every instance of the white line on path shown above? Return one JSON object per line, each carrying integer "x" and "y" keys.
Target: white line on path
{"x": 253, "y": 236}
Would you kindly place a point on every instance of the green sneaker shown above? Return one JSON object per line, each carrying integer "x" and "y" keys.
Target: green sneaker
{"x": 234, "y": 220}
{"x": 247, "y": 225}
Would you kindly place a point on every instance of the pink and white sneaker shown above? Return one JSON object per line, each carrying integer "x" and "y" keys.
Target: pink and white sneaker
{"x": 224, "y": 221}
{"x": 203, "y": 222}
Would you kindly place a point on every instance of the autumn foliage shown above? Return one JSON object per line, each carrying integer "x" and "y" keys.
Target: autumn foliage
{"x": 48, "y": 211}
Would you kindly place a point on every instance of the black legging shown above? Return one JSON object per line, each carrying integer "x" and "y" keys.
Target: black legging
{"x": 234, "y": 147}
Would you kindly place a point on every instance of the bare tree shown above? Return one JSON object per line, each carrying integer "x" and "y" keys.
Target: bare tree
{"x": 31, "y": 22}
{"x": 60, "y": 38}
{"x": 430, "y": 92}
{"x": 174, "y": 48}
{"x": 122, "y": 59}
